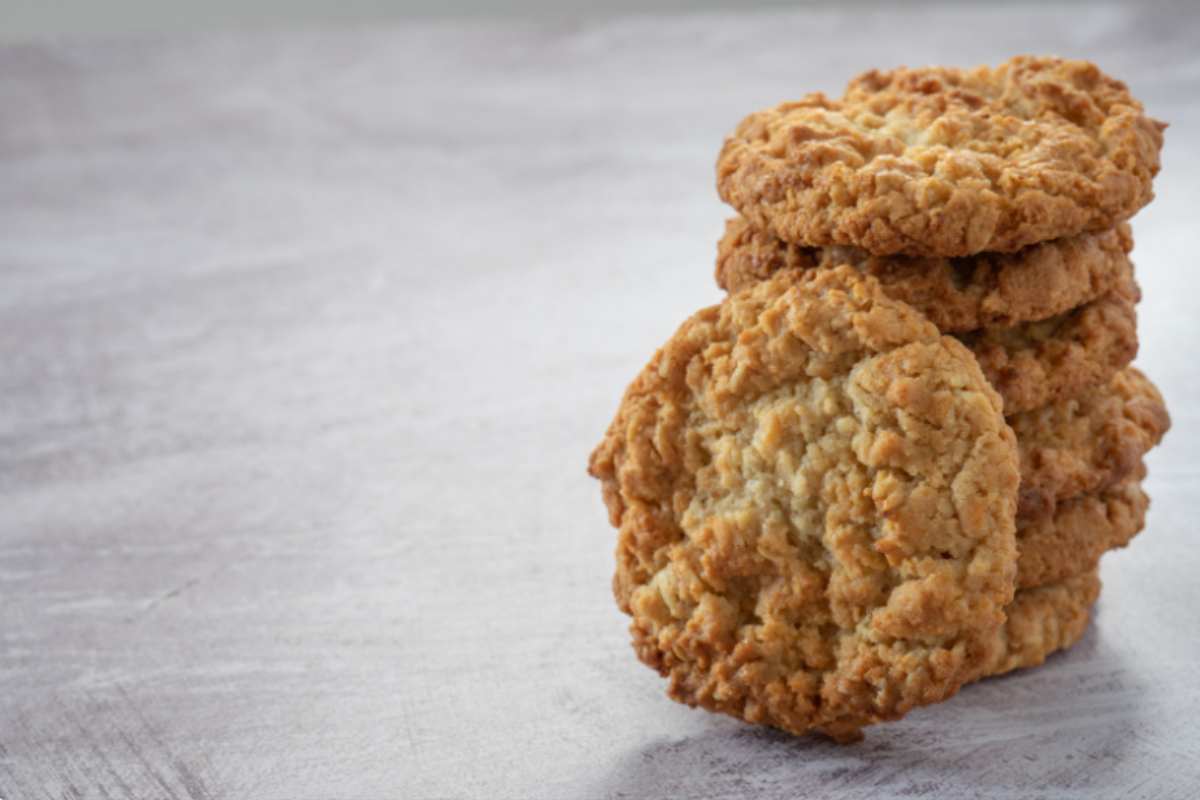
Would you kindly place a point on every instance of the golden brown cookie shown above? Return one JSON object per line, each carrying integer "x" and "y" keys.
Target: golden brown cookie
{"x": 1088, "y": 442}
{"x": 1037, "y": 363}
{"x": 1080, "y": 530}
{"x": 1042, "y": 621}
{"x": 815, "y": 494}
{"x": 946, "y": 162}
{"x": 957, "y": 294}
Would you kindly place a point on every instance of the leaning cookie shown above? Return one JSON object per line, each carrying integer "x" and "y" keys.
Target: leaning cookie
{"x": 1088, "y": 442}
{"x": 957, "y": 294}
{"x": 1041, "y": 621}
{"x": 946, "y": 162}
{"x": 1072, "y": 539}
{"x": 815, "y": 494}
{"x": 1037, "y": 363}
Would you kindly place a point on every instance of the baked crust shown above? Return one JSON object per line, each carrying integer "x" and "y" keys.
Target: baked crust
{"x": 1087, "y": 443}
{"x": 1037, "y": 363}
{"x": 815, "y": 494}
{"x": 957, "y": 294}
{"x": 1042, "y": 621}
{"x": 1072, "y": 539}
{"x": 946, "y": 162}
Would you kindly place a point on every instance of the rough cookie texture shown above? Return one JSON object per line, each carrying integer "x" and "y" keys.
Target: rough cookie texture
{"x": 1037, "y": 363}
{"x": 946, "y": 162}
{"x": 815, "y": 494}
{"x": 1072, "y": 539}
{"x": 1042, "y": 621}
{"x": 957, "y": 294}
{"x": 1087, "y": 443}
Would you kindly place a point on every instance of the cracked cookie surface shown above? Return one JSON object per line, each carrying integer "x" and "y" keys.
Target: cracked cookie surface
{"x": 1087, "y": 443}
{"x": 946, "y": 162}
{"x": 957, "y": 294}
{"x": 815, "y": 494}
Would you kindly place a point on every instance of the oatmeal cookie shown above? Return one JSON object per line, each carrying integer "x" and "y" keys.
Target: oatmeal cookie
{"x": 946, "y": 162}
{"x": 1088, "y": 442}
{"x": 1037, "y": 363}
{"x": 815, "y": 495}
{"x": 1042, "y": 621}
{"x": 1080, "y": 530}
{"x": 957, "y": 294}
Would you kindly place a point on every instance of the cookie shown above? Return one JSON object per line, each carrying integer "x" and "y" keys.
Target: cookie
{"x": 957, "y": 294}
{"x": 1037, "y": 363}
{"x": 1088, "y": 442}
{"x": 1042, "y": 621}
{"x": 815, "y": 494}
{"x": 946, "y": 162}
{"x": 1080, "y": 530}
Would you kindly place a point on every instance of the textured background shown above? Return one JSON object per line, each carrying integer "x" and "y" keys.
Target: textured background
{"x": 20, "y": 18}
{"x": 305, "y": 338}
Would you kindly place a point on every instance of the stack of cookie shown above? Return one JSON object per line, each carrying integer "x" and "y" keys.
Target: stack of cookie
{"x": 930, "y": 293}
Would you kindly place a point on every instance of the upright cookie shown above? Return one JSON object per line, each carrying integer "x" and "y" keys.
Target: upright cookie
{"x": 1088, "y": 442}
{"x": 1037, "y": 363}
{"x": 946, "y": 162}
{"x": 1042, "y": 621}
{"x": 1072, "y": 538}
{"x": 957, "y": 294}
{"x": 815, "y": 494}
